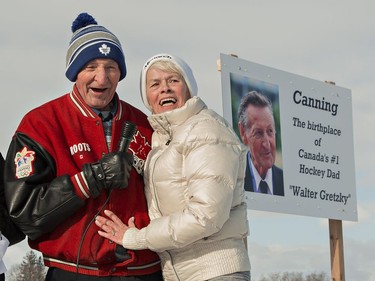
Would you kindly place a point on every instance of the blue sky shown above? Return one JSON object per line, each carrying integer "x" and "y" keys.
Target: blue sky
{"x": 323, "y": 40}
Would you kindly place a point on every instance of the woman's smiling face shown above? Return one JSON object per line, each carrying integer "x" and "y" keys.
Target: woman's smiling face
{"x": 165, "y": 90}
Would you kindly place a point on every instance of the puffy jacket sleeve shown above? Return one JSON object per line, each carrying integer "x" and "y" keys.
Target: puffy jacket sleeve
{"x": 39, "y": 202}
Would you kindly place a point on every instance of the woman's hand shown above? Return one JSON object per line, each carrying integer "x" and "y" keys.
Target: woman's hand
{"x": 112, "y": 227}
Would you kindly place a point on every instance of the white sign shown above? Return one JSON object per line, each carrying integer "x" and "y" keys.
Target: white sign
{"x": 313, "y": 140}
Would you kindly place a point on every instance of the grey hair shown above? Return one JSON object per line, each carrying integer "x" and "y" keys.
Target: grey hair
{"x": 170, "y": 67}
{"x": 252, "y": 98}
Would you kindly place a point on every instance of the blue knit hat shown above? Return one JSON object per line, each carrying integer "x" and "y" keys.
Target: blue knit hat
{"x": 91, "y": 41}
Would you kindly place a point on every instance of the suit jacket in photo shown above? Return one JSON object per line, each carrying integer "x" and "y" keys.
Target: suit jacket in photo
{"x": 277, "y": 180}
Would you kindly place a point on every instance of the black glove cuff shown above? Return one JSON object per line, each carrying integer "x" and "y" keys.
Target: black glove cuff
{"x": 95, "y": 178}
{"x": 99, "y": 174}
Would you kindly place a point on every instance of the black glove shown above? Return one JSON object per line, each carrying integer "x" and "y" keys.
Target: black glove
{"x": 111, "y": 171}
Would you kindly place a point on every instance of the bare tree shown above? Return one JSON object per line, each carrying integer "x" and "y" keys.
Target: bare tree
{"x": 13, "y": 273}
{"x": 31, "y": 268}
{"x": 317, "y": 277}
{"x": 295, "y": 276}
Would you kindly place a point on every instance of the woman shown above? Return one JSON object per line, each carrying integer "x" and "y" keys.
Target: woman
{"x": 194, "y": 183}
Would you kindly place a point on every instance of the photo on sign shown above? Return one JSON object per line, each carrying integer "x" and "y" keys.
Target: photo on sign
{"x": 256, "y": 120}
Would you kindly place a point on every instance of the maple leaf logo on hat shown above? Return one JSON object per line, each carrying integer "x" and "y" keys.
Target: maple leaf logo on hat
{"x": 104, "y": 49}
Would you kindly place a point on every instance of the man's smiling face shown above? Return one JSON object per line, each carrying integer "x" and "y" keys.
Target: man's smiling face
{"x": 97, "y": 82}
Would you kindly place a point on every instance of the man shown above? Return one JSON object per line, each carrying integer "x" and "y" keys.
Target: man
{"x": 9, "y": 232}
{"x": 257, "y": 129}
{"x": 64, "y": 167}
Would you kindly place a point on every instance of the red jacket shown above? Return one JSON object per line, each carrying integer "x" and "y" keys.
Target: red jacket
{"x": 46, "y": 194}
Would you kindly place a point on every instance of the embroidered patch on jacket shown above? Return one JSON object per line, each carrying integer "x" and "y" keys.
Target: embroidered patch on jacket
{"x": 140, "y": 148}
{"x": 24, "y": 163}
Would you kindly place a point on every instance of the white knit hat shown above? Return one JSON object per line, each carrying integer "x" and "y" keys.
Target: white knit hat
{"x": 184, "y": 68}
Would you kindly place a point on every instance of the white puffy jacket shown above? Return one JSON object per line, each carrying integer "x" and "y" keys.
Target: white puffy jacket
{"x": 194, "y": 188}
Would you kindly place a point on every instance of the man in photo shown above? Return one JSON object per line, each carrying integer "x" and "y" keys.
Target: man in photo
{"x": 256, "y": 125}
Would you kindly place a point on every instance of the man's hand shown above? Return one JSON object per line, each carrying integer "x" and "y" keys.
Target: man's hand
{"x": 110, "y": 172}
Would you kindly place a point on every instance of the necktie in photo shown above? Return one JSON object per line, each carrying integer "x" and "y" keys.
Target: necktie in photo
{"x": 263, "y": 186}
